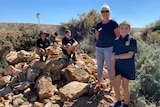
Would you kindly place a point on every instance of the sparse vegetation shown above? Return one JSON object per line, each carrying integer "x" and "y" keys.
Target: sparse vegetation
{"x": 1, "y": 37}
{"x": 83, "y": 30}
{"x": 145, "y": 91}
{"x": 146, "y": 88}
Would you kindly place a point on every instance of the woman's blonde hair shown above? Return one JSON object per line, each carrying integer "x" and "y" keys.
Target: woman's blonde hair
{"x": 105, "y": 7}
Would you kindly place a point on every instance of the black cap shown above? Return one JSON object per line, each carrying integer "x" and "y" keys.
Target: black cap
{"x": 44, "y": 31}
{"x": 67, "y": 31}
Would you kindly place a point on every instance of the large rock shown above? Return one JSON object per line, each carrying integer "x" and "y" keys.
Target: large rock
{"x": 22, "y": 66}
{"x": 73, "y": 90}
{"x": 32, "y": 74}
{"x": 12, "y": 57}
{"x": 76, "y": 74}
{"x": 10, "y": 70}
{"x": 45, "y": 88}
{"x": 23, "y": 55}
{"x": 53, "y": 65}
{"x": 4, "y": 80}
{"x": 33, "y": 57}
{"x": 91, "y": 69}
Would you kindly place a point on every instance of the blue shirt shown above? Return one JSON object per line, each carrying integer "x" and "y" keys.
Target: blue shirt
{"x": 70, "y": 40}
{"x": 106, "y": 34}
{"x": 125, "y": 67}
{"x": 44, "y": 44}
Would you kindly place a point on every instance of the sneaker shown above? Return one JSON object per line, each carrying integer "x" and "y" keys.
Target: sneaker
{"x": 124, "y": 105}
{"x": 69, "y": 56}
{"x": 117, "y": 104}
{"x": 46, "y": 57}
{"x": 74, "y": 58}
{"x": 41, "y": 58}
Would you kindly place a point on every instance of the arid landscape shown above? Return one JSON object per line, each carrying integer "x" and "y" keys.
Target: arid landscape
{"x": 16, "y": 29}
{"x": 53, "y": 76}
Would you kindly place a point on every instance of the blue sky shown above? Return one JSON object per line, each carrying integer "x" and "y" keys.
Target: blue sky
{"x": 138, "y": 12}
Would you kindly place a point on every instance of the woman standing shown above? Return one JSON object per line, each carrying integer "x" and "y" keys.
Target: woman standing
{"x": 106, "y": 32}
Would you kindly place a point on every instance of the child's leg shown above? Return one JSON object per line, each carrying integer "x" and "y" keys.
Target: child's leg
{"x": 125, "y": 85}
{"x": 73, "y": 49}
{"x": 117, "y": 83}
{"x": 40, "y": 52}
{"x": 68, "y": 50}
{"x": 49, "y": 52}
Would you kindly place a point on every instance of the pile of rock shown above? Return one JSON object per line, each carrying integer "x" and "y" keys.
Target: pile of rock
{"x": 28, "y": 82}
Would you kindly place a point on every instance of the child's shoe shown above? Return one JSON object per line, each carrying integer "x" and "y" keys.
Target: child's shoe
{"x": 117, "y": 104}
{"x": 46, "y": 57}
{"x": 124, "y": 105}
{"x": 74, "y": 58}
{"x": 41, "y": 58}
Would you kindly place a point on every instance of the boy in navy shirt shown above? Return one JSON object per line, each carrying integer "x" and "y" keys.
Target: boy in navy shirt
{"x": 123, "y": 63}
{"x": 69, "y": 45}
{"x": 44, "y": 45}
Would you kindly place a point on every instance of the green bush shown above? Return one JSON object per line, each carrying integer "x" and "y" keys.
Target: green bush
{"x": 1, "y": 37}
{"x": 6, "y": 46}
{"x": 151, "y": 34}
{"x": 83, "y": 30}
{"x": 26, "y": 42}
{"x": 83, "y": 26}
{"x": 86, "y": 46}
{"x": 148, "y": 73}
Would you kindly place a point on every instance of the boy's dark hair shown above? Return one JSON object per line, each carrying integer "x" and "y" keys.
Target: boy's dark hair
{"x": 56, "y": 33}
{"x": 67, "y": 31}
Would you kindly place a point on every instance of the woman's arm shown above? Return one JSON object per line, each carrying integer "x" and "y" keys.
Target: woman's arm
{"x": 97, "y": 34}
{"x": 116, "y": 32}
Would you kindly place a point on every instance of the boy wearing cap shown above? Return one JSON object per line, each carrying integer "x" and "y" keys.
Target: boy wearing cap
{"x": 69, "y": 45}
{"x": 44, "y": 45}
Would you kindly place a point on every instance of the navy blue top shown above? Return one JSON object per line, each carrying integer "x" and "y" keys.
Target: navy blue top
{"x": 70, "y": 40}
{"x": 65, "y": 40}
{"x": 106, "y": 34}
{"x": 44, "y": 44}
{"x": 125, "y": 67}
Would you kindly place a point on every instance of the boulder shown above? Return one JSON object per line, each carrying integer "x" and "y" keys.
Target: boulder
{"x": 73, "y": 90}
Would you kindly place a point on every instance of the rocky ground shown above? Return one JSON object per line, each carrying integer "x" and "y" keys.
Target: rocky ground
{"x": 56, "y": 82}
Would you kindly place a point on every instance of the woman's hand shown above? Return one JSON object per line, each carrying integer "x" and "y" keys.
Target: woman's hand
{"x": 113, "y": 72}
{"x": 112, "y": 57}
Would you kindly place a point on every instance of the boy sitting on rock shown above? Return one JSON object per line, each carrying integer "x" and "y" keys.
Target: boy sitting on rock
{"x": 69, "y": 45}
{"x": 44, "y": 46}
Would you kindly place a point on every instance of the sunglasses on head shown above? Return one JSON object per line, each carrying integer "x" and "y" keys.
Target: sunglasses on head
{"x": 104, "y": 11}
